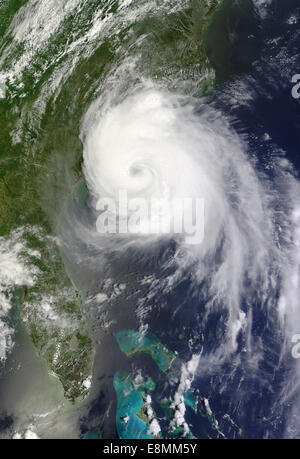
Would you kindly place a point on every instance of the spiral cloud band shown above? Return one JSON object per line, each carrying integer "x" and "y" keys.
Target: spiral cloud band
{"x": 158, "y": 145}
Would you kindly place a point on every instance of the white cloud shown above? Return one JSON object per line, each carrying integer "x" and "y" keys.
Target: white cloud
{"x": 13, "y": 272}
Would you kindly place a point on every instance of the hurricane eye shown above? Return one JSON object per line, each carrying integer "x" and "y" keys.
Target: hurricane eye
{"x": 136, "y": 170}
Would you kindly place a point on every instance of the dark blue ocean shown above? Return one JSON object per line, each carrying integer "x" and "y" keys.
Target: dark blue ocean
{"x": 254, "y": 57}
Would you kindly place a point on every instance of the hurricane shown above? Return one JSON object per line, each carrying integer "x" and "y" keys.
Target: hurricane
{"x": 157, "y": 238}
{"x": 154, "y": 143}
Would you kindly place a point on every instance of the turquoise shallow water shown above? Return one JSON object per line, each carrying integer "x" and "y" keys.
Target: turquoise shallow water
{"x": 134, "y": 412}
{"x": 132, "y": 342}
{"x": 57, "y": 61}
{"x": 130, "y": 402}
{"x": 219, "y": 321}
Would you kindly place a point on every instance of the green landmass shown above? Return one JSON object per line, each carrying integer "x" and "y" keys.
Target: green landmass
{"x": 50, "y": 310}
{"x": 41, "y": 159}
